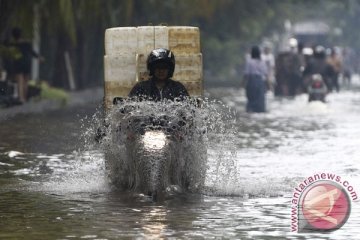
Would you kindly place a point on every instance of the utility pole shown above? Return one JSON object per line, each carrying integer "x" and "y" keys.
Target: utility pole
{"x": 36, "y": 43}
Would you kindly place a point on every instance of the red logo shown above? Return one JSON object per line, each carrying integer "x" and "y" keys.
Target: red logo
{"x": 325, "y": 206}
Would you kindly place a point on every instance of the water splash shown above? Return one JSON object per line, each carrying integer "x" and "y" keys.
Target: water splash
{"x": 193, "y": 131}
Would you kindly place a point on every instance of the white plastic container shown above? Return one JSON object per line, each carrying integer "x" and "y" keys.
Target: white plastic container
{"x": 120, "y": 76}
{"x": 188, "y": 68}
{"x": 184, "y": 40}
{"x": 121, "y": 68}
{"x": 194, "y": 88}
{"x": 161, "y": 37}
{"x": 150, "y": 37}
{"x": 127, "y": 48}
{"x": 120, "y": 40}
{"x": 145, "y": 39}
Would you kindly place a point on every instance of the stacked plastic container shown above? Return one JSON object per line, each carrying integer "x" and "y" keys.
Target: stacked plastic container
{"x": 127, "y": 48}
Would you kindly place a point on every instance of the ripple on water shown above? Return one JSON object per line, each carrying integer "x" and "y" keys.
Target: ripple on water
{"x": 254, "y": 162}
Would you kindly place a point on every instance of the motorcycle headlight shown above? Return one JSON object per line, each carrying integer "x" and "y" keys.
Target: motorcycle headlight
{"x": 154, "y": 140}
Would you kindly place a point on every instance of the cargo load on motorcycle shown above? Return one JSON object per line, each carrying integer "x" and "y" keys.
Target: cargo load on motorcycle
{"x": 154, "y": 146}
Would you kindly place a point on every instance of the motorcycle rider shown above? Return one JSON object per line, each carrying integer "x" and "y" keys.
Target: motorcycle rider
{"x": 319, "y": 65}
{"x": 288, "y": 66}
{"x": 161, "y": 65}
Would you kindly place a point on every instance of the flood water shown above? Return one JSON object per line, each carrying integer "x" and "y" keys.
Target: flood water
{"x": 53, "y": 183}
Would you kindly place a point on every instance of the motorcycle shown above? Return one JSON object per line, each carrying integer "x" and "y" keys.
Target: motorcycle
{"x": 156, "y": 150}
{"x": 317, "y": 89}
{"x": 7, "y": 94}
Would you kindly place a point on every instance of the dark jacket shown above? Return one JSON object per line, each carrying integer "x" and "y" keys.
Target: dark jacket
{"x": 148, "y": 90}
{"x": 23, "y": 64}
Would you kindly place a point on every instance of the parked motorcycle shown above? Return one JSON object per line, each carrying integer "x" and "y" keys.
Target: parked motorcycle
{"x": 7, "y": 98}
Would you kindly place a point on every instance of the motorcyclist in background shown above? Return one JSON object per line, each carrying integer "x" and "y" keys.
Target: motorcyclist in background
{"x": 288, "y": 71}
{"x": 319, "y": 65}
{"x": 317, "y": 89}
{"x": 161, "y": 65}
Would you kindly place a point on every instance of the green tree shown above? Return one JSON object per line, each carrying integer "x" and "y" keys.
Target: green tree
{"x": 228, "y": 28}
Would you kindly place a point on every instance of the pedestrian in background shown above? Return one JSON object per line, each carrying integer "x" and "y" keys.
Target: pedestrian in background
{"x": 255, "y": 79}
{"x": 335, "y": 62}
{"x": 21, "y": 66}
{"x": 349, "y": 61}
{"x": 269, "y": 59}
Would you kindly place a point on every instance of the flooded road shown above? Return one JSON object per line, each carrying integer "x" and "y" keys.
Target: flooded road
{"x": 53, "y": 183}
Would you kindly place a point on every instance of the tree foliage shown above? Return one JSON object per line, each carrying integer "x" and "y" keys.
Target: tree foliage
{"x": 228, "y": 28}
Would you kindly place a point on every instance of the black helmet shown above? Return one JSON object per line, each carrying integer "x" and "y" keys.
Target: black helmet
{"x": 161, "y": 55}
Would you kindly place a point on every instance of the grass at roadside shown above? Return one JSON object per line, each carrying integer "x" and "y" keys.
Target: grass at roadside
{"x": 48, "y": 92}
